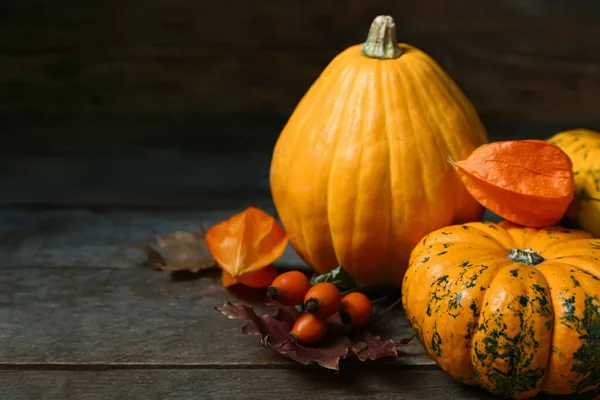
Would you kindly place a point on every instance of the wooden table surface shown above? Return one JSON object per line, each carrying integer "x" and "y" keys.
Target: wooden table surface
{"x": 81, "y": 319}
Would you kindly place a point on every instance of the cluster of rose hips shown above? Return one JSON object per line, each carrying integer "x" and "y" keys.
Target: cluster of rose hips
{"x": 319, "y": 301}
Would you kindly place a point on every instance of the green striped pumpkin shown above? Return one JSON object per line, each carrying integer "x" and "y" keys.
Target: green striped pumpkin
{"x": 515, "y": 310}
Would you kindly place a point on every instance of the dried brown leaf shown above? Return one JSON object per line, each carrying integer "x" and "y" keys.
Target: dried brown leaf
{"x": 274, "y": 331}
{"x": 242, "y": 311}
{"x": 404, "y": 342}
{"x": 327, "y": 355}
{"x": 371, "y": 347}
{"x": 179, "y": 251}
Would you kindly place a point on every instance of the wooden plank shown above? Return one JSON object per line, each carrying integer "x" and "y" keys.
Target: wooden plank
{"x": 83, "y": 238}
{"x": 520, "y": 61}
{"x": 152, "y": 179}
{"x": 88, "y": 239}
{"x": 102, "y": 317}
{"x": 307, "y": 383}
{"x": 30, "y": 133}
{"x": 157, "y": 179}
{"x": 75, "y": 135}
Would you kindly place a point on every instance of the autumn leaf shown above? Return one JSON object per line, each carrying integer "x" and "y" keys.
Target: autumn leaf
{"x": 274, "y": 332}
{"x": 179, "y": 251}
{"x": 245, "y": 246}
{"x": 371, "y": 347}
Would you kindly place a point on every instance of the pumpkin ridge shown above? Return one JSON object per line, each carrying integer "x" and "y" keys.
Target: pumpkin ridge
{"x": 344, "y": 73}
{"x": 561, "y": 235}
{"x": 357, "y": 99}
{"x": 505, "y": 226}
{"x": 316, "y": 88}
{"x": 342, "y": 108}
{"x": 580, "y": 366}
{"x": 443, "y": 125}
{"x": 588, "y": 354}
{"x": 351, "y": 103}
{"x": 434, "y": 132}
{"x": 569, "y": 262}
{"x": 525, "y": 348}
{"x": 387, "y": 126}
{"x": 467, "y": 278}
{"x": 405, "y": 99}
{"x": 362, "y": 178}
{"x": 475, "y": 226}
{"x": 471, "y": 118}
{"x": 290, "y": 140}
{"x": 415, "y": 80}
{"x": 440, "y": 124}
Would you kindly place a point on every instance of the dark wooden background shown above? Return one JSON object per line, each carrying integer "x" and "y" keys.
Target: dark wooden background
{"x": 223, "y": 76}
{"x": 123, "y": 119}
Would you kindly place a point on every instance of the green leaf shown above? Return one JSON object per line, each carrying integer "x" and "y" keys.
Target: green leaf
{"x": 339, "y": 277}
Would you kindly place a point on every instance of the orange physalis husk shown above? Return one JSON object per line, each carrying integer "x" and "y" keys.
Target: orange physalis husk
{"x": 528, "y": 182}
{"x": 255, "y": 279}
{"x": 245, "y": 246}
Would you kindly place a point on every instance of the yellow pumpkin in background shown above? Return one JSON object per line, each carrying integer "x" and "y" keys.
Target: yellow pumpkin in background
{"x": 583, "y": 147}
{"x": 359, "y": 173}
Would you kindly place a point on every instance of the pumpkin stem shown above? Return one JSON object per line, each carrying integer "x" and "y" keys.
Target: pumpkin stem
{"x": 528, "y": 257}
{"x": 381, "y": 42}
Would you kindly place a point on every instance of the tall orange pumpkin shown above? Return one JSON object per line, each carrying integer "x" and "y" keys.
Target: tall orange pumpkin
{"x": 359, "y": 172}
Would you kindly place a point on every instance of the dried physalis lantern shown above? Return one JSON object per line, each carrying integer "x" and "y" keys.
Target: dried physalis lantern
{"x": 245, "y": 247}
{"x": 527, "y": 182}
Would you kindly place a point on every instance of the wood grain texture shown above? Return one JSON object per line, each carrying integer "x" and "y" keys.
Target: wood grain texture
{"x": 516, "y": 60}
{"x": 157, "y": 179}
{"x": 142, "y": 180}
{"x": 83, "y": 238}
{"x": 26, "y": 135}
{"x": 253, "y": 384}
{"x": 32, "y": 133}
{"x": 103, "y": 317}
{"x": 96, "y": 331}
{"x": 88, "y": 239}
{"x": 307, "y": 383}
